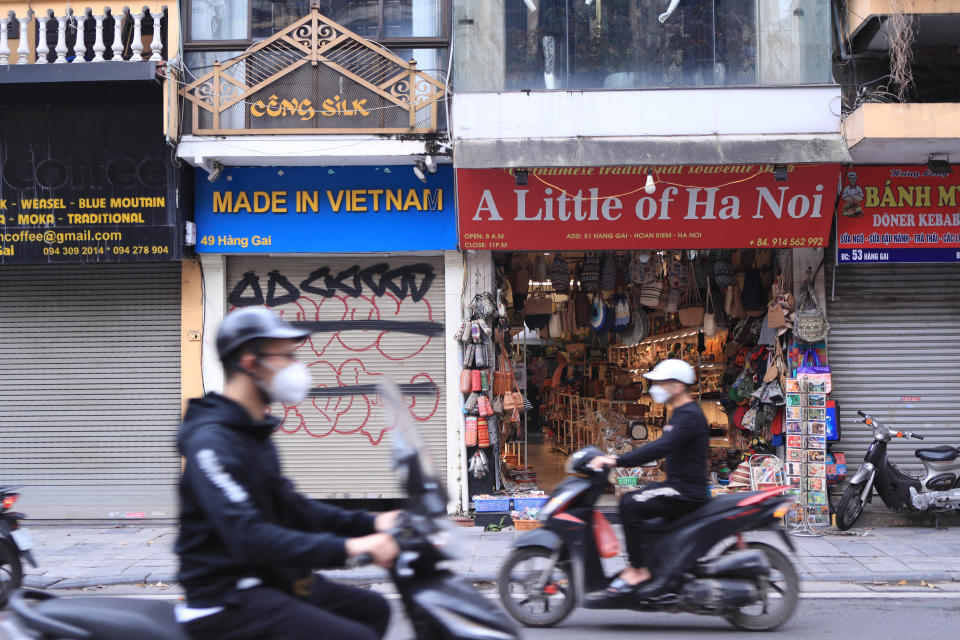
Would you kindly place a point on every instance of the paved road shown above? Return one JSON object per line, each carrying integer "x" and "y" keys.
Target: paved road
{"x": 834, "y": 610}
{"x": 927, "y": 618}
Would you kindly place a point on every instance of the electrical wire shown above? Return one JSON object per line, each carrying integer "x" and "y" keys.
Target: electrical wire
{"x": 641, "y": 188}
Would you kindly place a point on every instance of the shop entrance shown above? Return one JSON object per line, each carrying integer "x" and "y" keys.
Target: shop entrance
{"x": 585, "y": 326}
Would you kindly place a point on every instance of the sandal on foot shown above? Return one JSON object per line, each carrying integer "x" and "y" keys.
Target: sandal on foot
{"x": 620, "y": 587}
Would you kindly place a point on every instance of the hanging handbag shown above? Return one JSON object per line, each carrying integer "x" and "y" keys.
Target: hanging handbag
{"x": 650, "y": 293}
{"x": 723, "y": 271}
{"x": 540, "y": 272}
{"x": 470, "y": 432}
{"x": 483, "y": 434}
{"x": 484, "y": 305}
{"x": 484, "y": 408}
{"x": 691, "y": 310}
{"x": 710, "y": 327}
{"x": 560, "y": 274}
{"x": 811, "y": 370}
{"x": 469, "y": 351}
{"x": 466, "y": 381}
{"x": 590, "y": 274}
{"x": 512, "y": 401}
{"x": 481, "y": 356}
{"x": 470, "y": 404}
{"x": 734, "y": 300}
{"x": 811, "y": 324}
{"x": 673, "y": 301}
{"x": 498, "y": 406}
{"x": 476, "y": 382}
{"x": 484, "y": 380}
{"x": 502, "y": 377}
{"x": 527, "y": 405}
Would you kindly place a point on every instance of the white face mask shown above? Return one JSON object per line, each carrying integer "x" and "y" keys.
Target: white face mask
{"x": 289, "y": 385}
{"x": 659, "y": 394}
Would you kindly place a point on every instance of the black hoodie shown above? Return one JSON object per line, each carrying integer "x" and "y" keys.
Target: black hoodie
{"x": 239, "y": 517}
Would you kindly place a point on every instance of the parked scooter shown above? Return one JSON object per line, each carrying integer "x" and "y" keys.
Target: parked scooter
{"x": 440, "y": 605}
{"x": 753, "y": 585}
{"x": 936, "y": 492}
{"x": 15, "y": 543}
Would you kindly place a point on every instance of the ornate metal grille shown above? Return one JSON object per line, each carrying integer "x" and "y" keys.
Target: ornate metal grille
{"x": 315, "y": 76}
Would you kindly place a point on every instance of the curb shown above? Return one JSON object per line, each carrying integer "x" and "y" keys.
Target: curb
{"x": 366, "y": 577}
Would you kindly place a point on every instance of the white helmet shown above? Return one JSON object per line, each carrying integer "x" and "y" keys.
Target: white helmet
{"x": 672, "y": 370}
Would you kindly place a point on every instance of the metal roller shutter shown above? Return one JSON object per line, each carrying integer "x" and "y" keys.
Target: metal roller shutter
{"x": 336, "y": 446}
{"x": 895, "y": 354}
{"x": 90, "y": 400}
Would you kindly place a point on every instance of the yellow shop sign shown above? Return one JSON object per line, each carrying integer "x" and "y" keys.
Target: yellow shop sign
{"x": 335, "y": 106}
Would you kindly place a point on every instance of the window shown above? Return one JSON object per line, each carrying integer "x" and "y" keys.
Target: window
{"x": 518, "y": 45}
{"x": 404, "y": 21}
{"x": 415, "y": 29}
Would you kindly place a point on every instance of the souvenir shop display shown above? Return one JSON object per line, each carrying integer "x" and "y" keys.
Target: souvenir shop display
{"x": 806, "y": 454}
{"x": 586, "y": 326}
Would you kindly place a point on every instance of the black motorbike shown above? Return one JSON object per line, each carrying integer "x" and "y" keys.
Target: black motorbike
{"x": 936, "y": 492}
{"x": 15, "y": 543}
{"x": 440, "y": 605}
{"x": 552, "y": 569}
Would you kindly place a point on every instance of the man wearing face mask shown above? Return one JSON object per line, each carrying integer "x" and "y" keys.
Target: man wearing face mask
{"x": 248, "y": 541}
{"x": 684, "y": 444}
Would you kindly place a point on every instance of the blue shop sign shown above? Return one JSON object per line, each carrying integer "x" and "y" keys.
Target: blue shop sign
{"x": 325, "y": 209}
{"x": 873, "y": 255}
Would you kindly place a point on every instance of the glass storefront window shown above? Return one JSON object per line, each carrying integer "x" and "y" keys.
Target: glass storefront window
{"x": 510, "y": 45}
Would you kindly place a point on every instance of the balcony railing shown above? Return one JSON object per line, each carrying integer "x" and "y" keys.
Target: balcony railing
{"x": 101, "y": 35}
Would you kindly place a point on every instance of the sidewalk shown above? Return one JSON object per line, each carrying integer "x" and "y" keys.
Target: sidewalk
{"x": 75, "y": 557}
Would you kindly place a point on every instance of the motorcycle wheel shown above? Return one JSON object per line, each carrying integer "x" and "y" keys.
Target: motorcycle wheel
{"x": 531, "y": 606}
{"x": 11, "y": 572}
{"x": 783, "y": 586}
{"x": 851, "y": 506}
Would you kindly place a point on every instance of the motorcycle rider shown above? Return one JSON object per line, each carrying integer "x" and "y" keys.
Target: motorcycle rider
{"x": 248, "y": 541}
{"x": 684, "y": 444}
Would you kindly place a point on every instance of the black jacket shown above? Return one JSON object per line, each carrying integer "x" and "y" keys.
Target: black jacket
{"x": 684, "y": 444}
{"x": 239, "y": 517}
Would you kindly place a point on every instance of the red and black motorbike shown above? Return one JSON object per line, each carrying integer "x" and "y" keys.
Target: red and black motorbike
{"x": 15, "y": 545}
{"x": 552, "y": 569}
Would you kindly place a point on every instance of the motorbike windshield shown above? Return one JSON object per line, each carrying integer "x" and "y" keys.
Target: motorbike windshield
{"x": 411, "y": 457}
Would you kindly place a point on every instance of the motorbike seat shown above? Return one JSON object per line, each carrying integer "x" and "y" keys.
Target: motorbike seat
{"x": 712, "y": 507}
{"x": 112, "y": 618}
{"x": 944, "y": 453}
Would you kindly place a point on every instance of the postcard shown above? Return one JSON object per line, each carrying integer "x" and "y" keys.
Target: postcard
{"x": 793, "y": 481}
{"x": 795, "y": 442}
{"x": 818, "y": 428}
{"x": 793, "y": 385}
{"x": 794, "y": 413}
{"x": 816, "y": 497}
{"x": 816, "y": 470}
{"x": 816, "y": 484}
{"x": 816, "y": 456}
{"x": 816, "y": 442}
{"x": 818, "y": 414}
{"x": 817, "y": 400}
{"x": 794, "y": 469}
{"x": 816, "y": 387}
{"x": 793, "y": 400}
{"x": 794, "y": 455}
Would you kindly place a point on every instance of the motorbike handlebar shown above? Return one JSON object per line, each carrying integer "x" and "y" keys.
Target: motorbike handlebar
{"x": 862, "y": 414}
{"x": 359, "y": 561}
{"x": 917, "y": 436}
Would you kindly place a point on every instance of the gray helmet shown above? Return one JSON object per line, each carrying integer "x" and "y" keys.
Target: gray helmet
{"x": 253, "y": 323}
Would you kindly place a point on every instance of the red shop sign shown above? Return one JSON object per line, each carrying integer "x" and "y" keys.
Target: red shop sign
{"x": 888, "y": 214}
{"x": 692, "y": 207}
